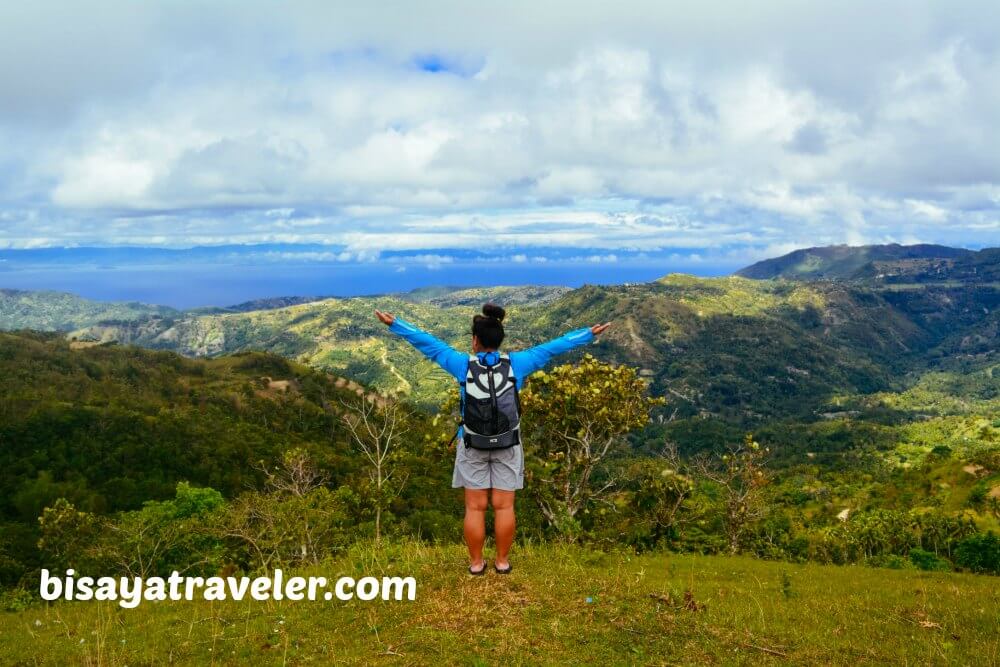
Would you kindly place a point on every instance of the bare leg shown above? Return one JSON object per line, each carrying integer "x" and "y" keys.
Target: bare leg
{"x": 503, "y": 519}
{"x": 475, "y": 525}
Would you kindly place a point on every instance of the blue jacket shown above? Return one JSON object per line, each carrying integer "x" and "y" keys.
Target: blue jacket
{"x": 523, "y": 363}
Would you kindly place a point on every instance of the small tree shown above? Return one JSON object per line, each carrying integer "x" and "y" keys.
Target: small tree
{"x": 979, "y": 553}
{"x": 658, "y": 495}
{"x": 377, "y": 427}
{"x": 67, "y": 536}
{"x": 296, "y": 520}
{"x": 672, "y": 489}
{"x": 741, "y": 475}
{"x": 176, "y": 534}
{"x": 575, "y": 417}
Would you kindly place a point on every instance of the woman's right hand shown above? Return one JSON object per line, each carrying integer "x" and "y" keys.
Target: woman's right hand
{"x": 386, "y": 318}
{"x": 598, "y": 329}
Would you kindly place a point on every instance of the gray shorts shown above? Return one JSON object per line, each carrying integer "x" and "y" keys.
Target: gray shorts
{"x": 488, "y": 469}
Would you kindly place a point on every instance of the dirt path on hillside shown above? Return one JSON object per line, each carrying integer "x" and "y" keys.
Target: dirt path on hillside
{"x": 407, "y": 387}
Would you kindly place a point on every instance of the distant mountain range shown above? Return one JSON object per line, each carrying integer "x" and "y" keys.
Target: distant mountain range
{"x": 734, "y": 348}
{"x": 825, "y": 322}
{"x": 889, "y": 264}
{"x": 46, "y": 310}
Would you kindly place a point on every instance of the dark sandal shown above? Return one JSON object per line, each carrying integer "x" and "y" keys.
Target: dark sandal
{"x": 480, "y": 572}
{"x": 506, "y": 570}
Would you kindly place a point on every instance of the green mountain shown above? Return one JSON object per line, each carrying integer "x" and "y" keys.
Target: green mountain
{"x": 60, "y": 311}
{"x": 855, "y": 384}
{"x": 843, "y": 262}
{"x": 111, "y": 427}
{"x": 981, "y": 267}
{"x": 735, "y": 348}
{"x": 445, "y": 297}
{"x": 255, "y": 304}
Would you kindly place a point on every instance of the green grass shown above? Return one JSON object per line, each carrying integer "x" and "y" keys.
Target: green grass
{"x": 738, "y": 610}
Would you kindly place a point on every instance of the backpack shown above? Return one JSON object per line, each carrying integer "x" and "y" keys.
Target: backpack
{"x": 491, "y": 407}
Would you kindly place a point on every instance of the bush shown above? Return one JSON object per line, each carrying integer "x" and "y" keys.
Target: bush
{"x": 267, "y": 530}
{"x": 67, "y": 537}
{"x": 15, "y": 599}
{"x": 892, "y": 562}
{"x": 432, "y": 525}
{"x": 928, "y": 560}
{"x": 977, "y": 495}
{"x": 829, "y": 545}
{"x": 178, "y": 534}
{"x": 979, "y": 553}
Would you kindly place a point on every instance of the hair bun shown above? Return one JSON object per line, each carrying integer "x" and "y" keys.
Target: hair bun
{"x": 494, "y": 311}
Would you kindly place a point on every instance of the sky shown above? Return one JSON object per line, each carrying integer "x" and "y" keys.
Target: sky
{"x": 721, "y": 131}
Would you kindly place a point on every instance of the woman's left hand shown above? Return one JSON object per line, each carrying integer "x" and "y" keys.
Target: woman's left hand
{"x": 598, "y": 329}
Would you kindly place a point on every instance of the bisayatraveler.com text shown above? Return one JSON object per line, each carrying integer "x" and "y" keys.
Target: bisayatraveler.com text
{"x": 129, "y": 592}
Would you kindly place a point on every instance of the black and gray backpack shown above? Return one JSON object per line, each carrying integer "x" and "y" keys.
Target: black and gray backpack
{"x": 491, "y": 410}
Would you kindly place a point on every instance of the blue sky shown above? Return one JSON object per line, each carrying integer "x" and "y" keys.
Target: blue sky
{"x": 727, "y": 132}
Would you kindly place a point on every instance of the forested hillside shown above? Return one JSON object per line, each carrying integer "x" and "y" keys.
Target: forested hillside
{"x": 843, "y": 262}
{"x": 883, "y": 265}
{"x": 110, "y": 428}
{"x": 59, "y": 311}
{"x": 732, "y": 348}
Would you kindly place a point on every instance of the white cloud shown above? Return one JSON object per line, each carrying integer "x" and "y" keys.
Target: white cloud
{"x": 650, "y": 126}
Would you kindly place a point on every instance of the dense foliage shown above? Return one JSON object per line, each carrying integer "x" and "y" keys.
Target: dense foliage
{"x": 113, "y": 429}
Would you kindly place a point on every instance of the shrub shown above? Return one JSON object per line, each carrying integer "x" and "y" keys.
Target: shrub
{"x": 178, "y": 534}
{"x": 891, "y": 561}
{"x": 829, "y": 545}
{"x": 928, "y": 560}
{"x": 15, "y": 599}
{"x": 977, "y": 495}
{"x": 284, "y": 529}
{"x": 432, "y": 525}
{"x": 979, "y": 553}
{"x": 67, "y": 536}
{"x": 577, "y": 417}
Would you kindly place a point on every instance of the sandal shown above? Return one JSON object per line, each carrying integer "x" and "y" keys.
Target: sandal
{"x": 505, "y": 570}
{"x": 481, "y": 571}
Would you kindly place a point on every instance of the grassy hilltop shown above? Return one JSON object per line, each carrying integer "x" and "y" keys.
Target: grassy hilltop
{"x": 561, "y": 605}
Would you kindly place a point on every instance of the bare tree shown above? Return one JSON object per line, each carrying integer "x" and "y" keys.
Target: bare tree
{"x": 296, "y": 476}
{"x": 742, "y": 477}
{"x": 581, "y": 454}
{"x": 675, "y": 488}
{"x": 296, "y": 510}
{"x": 377, "y": 426}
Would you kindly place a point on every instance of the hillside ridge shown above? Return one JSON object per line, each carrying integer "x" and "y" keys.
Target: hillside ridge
{"x": 846, "y": 262}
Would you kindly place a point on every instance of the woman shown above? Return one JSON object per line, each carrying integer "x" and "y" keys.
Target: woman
{"x": 488, "y": 474}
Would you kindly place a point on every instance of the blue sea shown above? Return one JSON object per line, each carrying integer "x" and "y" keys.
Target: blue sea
{"x": 191, "y": 285}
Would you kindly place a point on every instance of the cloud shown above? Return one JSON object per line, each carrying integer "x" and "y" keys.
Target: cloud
{"x": 656, "y": 125}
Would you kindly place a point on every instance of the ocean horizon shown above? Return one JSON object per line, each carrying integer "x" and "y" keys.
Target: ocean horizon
{"x": 190, "y": 285}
